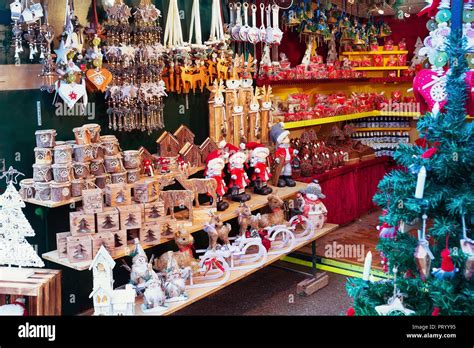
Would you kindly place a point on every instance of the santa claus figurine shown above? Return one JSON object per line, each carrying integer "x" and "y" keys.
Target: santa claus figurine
{"x": 284, "y": 155}
{"x": 238, "y": 177}
{"x": 311, "y": 205}
{"x": 227, "y": 149}
{"x": 214, "y": 169}
{"x": 261, "y": 174}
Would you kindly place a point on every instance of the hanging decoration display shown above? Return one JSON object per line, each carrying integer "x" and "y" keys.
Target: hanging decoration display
{"x": 135, "y": 59}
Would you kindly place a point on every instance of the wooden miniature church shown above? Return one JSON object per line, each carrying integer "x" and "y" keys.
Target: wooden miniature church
{"x": 206, "y": 148}
{"x": 108, "y": 301}
{"x": 184, "y": 135}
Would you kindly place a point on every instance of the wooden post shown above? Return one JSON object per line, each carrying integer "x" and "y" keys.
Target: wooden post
{"x": 264, "y": 118}
{"x": 229, "y": 105}
{"x": 252, "y": 116}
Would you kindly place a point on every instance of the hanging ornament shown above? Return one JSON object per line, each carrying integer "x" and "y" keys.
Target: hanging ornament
{"x": 395, "y": 303}
{"x": 447, "y": 270}
{"x": 467, "y": 247}
{"x": 423, "y": 254}
{"x": 387, "y": 231}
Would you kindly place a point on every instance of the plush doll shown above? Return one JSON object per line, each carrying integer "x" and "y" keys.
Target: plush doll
{"x": 311, "y": 205}
{"x": 215, "y": 169}
{"x": 284, "y": 155}
{"x": 238, "y": 177}
{"x": 261, "y": 173}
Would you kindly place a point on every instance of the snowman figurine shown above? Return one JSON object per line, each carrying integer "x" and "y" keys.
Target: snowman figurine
{"x": 238, "y": 177}
{"x": 311, "y": 205}
{"x": 214, "y": 169}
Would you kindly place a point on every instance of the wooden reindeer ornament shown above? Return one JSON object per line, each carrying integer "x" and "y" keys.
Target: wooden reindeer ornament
{"x": 217, "y": 231}
{"x": 199, "y": 186}
{"x": 248, "y": 71}
{"x": 254, "y": 127}
{"x": 265, "y": 113}
{"x": 223, "y": 66}
{"x": 217, "y": 116}
{"x": 234, "y": 81}
{"x": 238, "y": 124}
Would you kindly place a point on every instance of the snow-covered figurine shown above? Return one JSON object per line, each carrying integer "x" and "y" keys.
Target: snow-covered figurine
{"x": 141, "y": 270}
{"x": 238, "y": 177}
{"x": 284, "y": 155}
{"x": 261, "y": 173}
{"x": 215, "y": 169}
{"x": 154, "y": 296}
{"x": 175, "y": 281}
{"x": 311, "y": 205}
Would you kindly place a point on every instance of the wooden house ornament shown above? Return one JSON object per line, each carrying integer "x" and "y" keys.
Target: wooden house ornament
{"x": 108, "y": 301}
{"x": 206, "y": 148}
{"x": 191, "y": 154}
{"x": 184, "y": 135}
{"x": 167, "y": 145}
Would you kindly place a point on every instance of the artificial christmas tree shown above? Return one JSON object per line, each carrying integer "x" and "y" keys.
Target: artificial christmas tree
{"x": 437, "y": 186}
{"x": 14, "y": 227}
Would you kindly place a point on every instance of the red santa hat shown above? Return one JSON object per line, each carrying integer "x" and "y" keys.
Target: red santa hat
{"x": 229, "y": 148}
{"x": 214, "y": 160}
{"x": 257, "y": 149}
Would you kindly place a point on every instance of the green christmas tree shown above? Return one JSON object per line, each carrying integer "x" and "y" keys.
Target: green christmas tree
{"x": 438, "y": 281}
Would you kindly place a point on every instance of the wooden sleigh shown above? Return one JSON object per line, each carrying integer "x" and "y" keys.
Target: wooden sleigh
{"x": 214, "y": 270}
{"x": 303, "y": 228}
{"x": 247, "y": 253}
{"x": 282, "y": 239}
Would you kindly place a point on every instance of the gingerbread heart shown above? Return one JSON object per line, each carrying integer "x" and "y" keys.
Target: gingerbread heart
{"x": 70, "y": 92}
{"x": 100, "y": 78}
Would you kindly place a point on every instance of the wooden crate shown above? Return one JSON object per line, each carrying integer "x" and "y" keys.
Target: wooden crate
{"x": 130, "y": 217}
{"x": 106, "y": 239}
{"x": 146, "y": 190}
{"x": 117, "y": 195}
{"x": 42, "y": 291}
{"x": 154, "y": 211}
{"x": 108, "y": 220}
{"x": 81, "y": 223}
{"x": 61, "y": 243}
{"x": 150, "y": 233}
{"x": 79, "y": 249}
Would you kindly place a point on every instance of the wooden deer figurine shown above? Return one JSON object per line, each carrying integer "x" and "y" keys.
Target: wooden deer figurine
{"x": 212, "y": 68}
{"x": 265, "y": 113}
{"x": 217, "y": 116}
{"x": 234, "y": 80}
{"x": 223, "y": 66}
{"x": 204, "y": 78}
{"x": 238, "y": 124}
{"x": 199, "y": 186}
{"x": 190, "y": 77}
{"x": 254, "y": 116}
{"x": 217, "y": 231}
{"x": 247, "y": 72}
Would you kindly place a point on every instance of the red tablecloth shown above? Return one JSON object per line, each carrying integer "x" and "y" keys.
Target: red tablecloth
{"x": 349, "y": 189}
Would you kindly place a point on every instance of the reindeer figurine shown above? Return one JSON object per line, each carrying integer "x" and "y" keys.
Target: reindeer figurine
{"x": 217, "y": 116}
{"x": 265, "y": 112}
{"x": 217, "y": 231}
{"x": 223, "y": 65}
{"x": 244, "y": 218}
{"x": 234, "y": 81}
{"x": 248, "y": 71}
{"x": 198, "y": 186}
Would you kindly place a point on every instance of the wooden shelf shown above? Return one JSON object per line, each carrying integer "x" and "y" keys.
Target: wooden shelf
{"x": 364, "y": 53}
{"x": 200, "y": 293}
{"x": 201, "y": 217}
{"x": 380, "y": 68}
{"x": 263, "y": 82}
{"x": 51, "y": 204}
{"x": 376, "y": 129}
{"x": 339, "y": 118}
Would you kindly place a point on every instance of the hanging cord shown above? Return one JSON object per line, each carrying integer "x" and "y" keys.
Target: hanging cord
{"x": 196, "y": 23}
{"x": 173, "y": 36}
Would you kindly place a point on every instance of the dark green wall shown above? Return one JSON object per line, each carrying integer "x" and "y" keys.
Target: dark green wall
{"x": 18, "y": 123}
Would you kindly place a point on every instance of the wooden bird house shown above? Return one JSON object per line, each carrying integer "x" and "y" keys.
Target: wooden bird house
{"x": 191, "y": 154}
{"x": 184, "y": 135}
{"x": 167, "y": 145}
{"x": 206, "y": 148}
